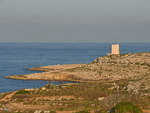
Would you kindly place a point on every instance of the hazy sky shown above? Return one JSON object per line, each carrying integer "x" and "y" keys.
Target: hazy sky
{"x": 74, "y": 20}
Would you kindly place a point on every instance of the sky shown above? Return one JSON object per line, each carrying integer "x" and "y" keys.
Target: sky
{"x": 74, "y": 20}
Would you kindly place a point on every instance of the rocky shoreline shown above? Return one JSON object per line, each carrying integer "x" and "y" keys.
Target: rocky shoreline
{"x": 112, "y": 67}
{"x": 103, "y": 83}
{"x": 52, "y": 73}
{"x": 134, "y": 68}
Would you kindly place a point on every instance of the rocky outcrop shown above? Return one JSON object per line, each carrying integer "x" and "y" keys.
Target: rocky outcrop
{"x": 136, "y": 58}
{"x": 113, "y": 67}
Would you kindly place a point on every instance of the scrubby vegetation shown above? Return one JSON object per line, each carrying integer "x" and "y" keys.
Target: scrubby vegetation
{"x": 99, "y": 97}
{"x": 126, "y": 107}
{"x": 22, "y": 92}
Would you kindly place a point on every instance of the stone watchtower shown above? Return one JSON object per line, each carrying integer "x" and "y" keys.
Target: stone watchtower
{"x": 115, "y": 49}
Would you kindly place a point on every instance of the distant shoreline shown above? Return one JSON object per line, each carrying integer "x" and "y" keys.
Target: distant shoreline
{"x": 109, "y": 68}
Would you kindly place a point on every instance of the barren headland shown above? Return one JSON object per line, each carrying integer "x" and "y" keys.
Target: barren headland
{"x": 103, "y": 83}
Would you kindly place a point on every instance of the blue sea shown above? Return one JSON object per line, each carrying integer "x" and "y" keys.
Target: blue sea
{"x": 16, "y": 58}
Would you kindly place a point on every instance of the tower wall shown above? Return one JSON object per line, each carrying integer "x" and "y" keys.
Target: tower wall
{"x": 115, "y": 49}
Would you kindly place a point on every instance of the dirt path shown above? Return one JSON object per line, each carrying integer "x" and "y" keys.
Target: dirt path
{"x": 7, "y": 97}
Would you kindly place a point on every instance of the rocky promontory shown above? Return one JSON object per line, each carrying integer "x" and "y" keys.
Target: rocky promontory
{"x": 111, "y": 67}
{"x": 108, "y": 80}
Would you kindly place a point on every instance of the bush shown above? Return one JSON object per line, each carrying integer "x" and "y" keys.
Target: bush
{"x": 52, "y": 111}
{"x": 101, "y": 111}
{"x": 126, "y": 107}
{"x": 83, "y": 112}
{"x": 22, "y": 92}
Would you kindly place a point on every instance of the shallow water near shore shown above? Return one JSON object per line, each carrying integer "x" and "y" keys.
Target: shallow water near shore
{"x": 16, "y": 58}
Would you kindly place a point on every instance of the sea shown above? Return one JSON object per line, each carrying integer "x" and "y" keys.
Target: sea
{"x": 16, "y": 58}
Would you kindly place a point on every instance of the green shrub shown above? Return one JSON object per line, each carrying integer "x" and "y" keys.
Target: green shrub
{"x": 52, "y": 111}
{"x": 101, "y": 111}
{"x": 82, "y": 112}
{"x": 22, "y": 92}
{"x": 126, "y": 107}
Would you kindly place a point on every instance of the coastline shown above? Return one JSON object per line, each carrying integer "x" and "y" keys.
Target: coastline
{"x": 112, "y": 67}
{"x": 99, "y": 82}
{"x": 49, "y": 73}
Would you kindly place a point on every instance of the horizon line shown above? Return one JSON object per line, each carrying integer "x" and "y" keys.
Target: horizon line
{"x": 76, "y": 42}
